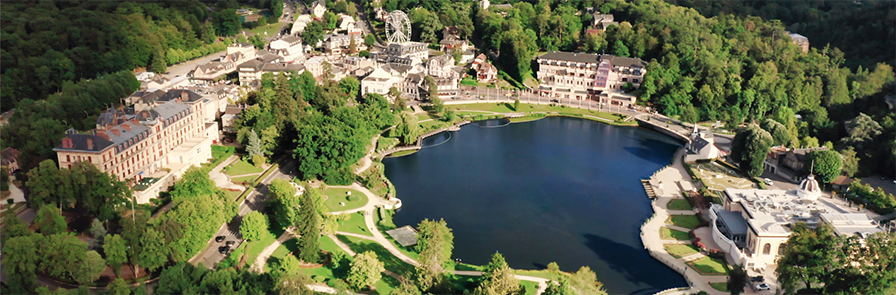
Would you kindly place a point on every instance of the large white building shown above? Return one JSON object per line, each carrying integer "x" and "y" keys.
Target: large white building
{"x": 379, "y": 81}
{"x": 587, "y": 76}
{"x": 752, "y": 225}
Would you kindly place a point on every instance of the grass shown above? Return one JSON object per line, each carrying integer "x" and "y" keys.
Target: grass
{"x": 391, "y": 262}
{"x": 355, "y": 225}
{"x": 255, "y": 247}
{"x": 680, "y": 250}
{"x": 241, "y": 167}
{"x": 709, "y": 266}
{"x": 685, "y": 221}
{"x": 231, "y": 194}
{"x": 403, "y": 153}
{"x": 337, "y": 195}
{"x": 721, "y": 286}
{"x": 386, "y": 224}
{"x": 384, "y": 143}
{"x": 671, "y": 234}
{"x": 679, "y": 204}
{"x": 469, "y": 82}
{"x": 527, "y": 118}
{"x": 530, "y": 287}
{"x": 239, "y": 180}
{"x": 525, "y": 107}
{"x": 426, "y": 116}
{"x": 271, "y": 29}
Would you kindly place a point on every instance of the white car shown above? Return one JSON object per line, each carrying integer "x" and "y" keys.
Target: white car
{"x": 761, "y": 287}
{"x": 767, "y": 181}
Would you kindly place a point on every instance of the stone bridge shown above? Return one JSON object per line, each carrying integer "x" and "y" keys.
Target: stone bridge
{"x": 665, "y": 125}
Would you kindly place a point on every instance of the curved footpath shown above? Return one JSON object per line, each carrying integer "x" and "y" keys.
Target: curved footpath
{"x": 673, "y": 177}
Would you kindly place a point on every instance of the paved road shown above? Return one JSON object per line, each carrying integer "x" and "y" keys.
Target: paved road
{"x": 253, "y": 202}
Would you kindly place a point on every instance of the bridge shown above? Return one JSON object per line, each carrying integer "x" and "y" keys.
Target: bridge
{"x": 419, "y": 144}
{"x": 665, "y": 125}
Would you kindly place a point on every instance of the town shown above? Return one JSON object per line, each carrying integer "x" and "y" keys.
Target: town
{"x": 255, "y": 162}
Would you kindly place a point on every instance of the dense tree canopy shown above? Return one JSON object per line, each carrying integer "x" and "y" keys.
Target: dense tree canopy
{"x": 749, "y": 149}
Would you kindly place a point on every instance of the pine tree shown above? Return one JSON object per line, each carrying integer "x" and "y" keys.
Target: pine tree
{"x": 309, "y": 228}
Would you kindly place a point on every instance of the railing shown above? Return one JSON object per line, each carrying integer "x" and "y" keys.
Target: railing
{"x": 723, "y": 241}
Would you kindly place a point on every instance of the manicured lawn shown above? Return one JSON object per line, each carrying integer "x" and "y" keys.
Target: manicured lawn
{"x": 680, "y": 250}
{"x": 337, "y": 195}
{"x": 271, "y": 29}
{"x": 241, "y": 167}
{"x": 530, "y": 287}
{"x": 709, "y": 266}
{"x": 384, "y": 143}
{"x": 391, "y": 262}
{"x": 721, "y": 286}
{"x": 426, "y": 116}
{"x": 525, "y": 119}
{"x": 255, "y": 247}
{"x": 231, "y": 194}
{"x": 239, "y": 180}
{"x": 679, "y": 204}
{"x": 355, "y": 225}
{"x": 671, "y": 234}
{"x": 403, "y": 153}
{"x": 685, "y": 221}
{"x": 545, "y": 274}
{"x": 433, "y": 125}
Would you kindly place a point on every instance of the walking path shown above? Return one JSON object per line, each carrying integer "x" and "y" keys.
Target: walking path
{"x": 650, "y": 231}
{"x": 262, "y": 258}
{"x": 221, "y": 180}
{"x": 366, "y": 161}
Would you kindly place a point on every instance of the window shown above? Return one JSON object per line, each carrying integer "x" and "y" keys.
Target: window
{"x": 767, "y": 249}
{"x": 781, "y": 249}
{"x": 68, "y": 158}
{"x": 89, "y": 159}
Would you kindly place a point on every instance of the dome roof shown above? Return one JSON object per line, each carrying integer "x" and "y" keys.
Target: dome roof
{"x": 809, "y": 188}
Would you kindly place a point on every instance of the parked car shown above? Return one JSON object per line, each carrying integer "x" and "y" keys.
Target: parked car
{"x": 219, "y": 239}
{"x": 230, "y": 243}
{"x": 223, "y": 249}
{"x": 757, "y": 279}
{"x": 767, "y": 181}
{"x": 554, "y": 100}
{"x": 761, "y": 287}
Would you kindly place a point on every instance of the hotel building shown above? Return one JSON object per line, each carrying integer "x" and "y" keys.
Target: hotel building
{"x": 589, "y": 76}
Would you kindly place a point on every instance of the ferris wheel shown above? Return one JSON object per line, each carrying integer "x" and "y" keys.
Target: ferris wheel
{"x": 398, "y": 27}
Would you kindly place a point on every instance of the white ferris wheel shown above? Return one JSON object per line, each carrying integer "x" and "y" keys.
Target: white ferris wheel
{"x": 398, "y": 27}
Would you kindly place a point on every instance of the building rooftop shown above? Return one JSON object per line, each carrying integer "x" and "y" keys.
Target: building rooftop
{"x": 846, "y": 224}
{"x": 771, "y": 212}
{"x": 405, "y": 236}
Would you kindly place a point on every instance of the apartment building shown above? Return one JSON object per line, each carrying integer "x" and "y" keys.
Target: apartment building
{"x": 586, "y": 76}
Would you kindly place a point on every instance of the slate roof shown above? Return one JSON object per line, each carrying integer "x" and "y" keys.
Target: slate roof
{"x": 79, "y": 143}
{"x": 405, "y": 235}
{"x": 8, "y": 155}
{"x": 174, "y": 94}
{"x": 594, "y": 58}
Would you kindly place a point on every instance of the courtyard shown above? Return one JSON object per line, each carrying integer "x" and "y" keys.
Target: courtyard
{"x": 717, "y": 177}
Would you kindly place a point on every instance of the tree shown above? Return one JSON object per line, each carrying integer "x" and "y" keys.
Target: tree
{"x": 780, "y": 134}
{"x": 116, "y": 252}
{"x": 154, "y": 253}
{"x": 369, "y": 40}
{"x": 585, "y": 281}
{"x": 825, "y": 163}
{"x": 254, "y": 226}
{"x": 437, "y": 104}
{"x": 194, "y": 184}
{"x": 365, "y": 270}
{"x": 20, "y": 263}
{"x": 516, "y": 105}
{"x": 158, "y": 64}
{"x": 806, "y": 256}
{"x": 394, "y": 93}
{"x": 850, "y": 161}
{"x": 449, "y": 115}
{"x": 350, "y": 86}
{"x": 352, "y": 46}
{"x": 60, "y": 254}
{"x": 619, "y": 49}
{"x": 45, "y": 184}
{"x": 313, "y": 33}
{"x": 435, "y": 243}
{"x": 749, "y": 149}
{"x": 254, "y": 147}
{"x": 862, "y": 130}
{"x": 737, "y": 279}
{"x": 118, "y": 287}
{"x": 309, "y": 226}
{"x": 406, "y": 287}
{"x": 562, "y": 287}
{"x": 497, "y": 278}
{"x": 13, "y": 226}
{"x": 408, "y": 129}
{"x": 49, "y": 220}
{"x": 285, "y": 203}
{"x": 90, "y": 268}
{"x": 293, "y": 283}
{"x": 553, "y": 267}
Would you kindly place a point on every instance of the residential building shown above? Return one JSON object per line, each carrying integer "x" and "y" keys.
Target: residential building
{"x": 800, "y": 41}
{"x": 237, "y": 54}
{"x": 299, "y": 25}
{"x": 788, "y": 163}
{"x": 231, "y": 113}
{"x": 752, "y": 225}
{"x": 602, "y": 21}
{"x": 139, "y": 141}
{"x": 446, "y": 75}
{"x": 345, "y": 24}
{"x": 451, "y": 40}
{"x": 485, "y": 71}
{"x": 701, "y": 146}
{"x": 288, "y": 47}
{"x": 145, "y": 76}
{"x": 380, "y": 81}
{"x": 413, "y": 86}
{"x": 315, "y": 65}
{"x": 415, "y": 51}
{"x": 381, "y": 14}
{"x": 318, "y": 8}
{"x": 589, "y": 76}
{"x": 842, "y": 182}
{"x": 250, "y": 73}
{"x": 9, "y": 159}
{"x": 337, "y": 44}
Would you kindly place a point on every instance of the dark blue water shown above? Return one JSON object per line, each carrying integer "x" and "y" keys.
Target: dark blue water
{"x": 558, "y": 189}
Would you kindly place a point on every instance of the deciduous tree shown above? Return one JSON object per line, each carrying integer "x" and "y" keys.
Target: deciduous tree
{"x": 435, "y": 243}
{"x": 825, "y": 163}
{"x": 49, "y": 220}
{"x": 365, "y": 270}
{"x": 116, "y": 252}
{"x": 20, "y": 263}
{"x": 90, "y": 268}
{"x": 254, "y": 226}
{"x": 749, "y": 148}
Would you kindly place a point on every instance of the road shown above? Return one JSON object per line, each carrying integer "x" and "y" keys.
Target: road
{"x": 253, "y": 202}
{"x": 182, "y": 69}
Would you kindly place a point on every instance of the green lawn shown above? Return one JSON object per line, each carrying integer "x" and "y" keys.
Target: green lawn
{"x": 685, "y": 221}
{"x": 679, "y": 204}
{"x": 241, "y": 167}
{"x": 530, "y": 287}
{"x": 271, "y": 29}
{"x": 426, "y": 116}
{"x": 336, "y": 195}
{"x": 239, "y": 180}
{"x": 721, "y": 286}
{"x": 384, "y": 143}
{"x": 671, "y": 234}
{"x": 255, "y": 247}
{"x": 231, "y": 194}
{"x": 709, "y": 266}
{"x": 355, "y": 225}
{"x": 391, "y": 262}
{"x": 525, "y": 107}
{"x": 403, "y": 153}
{"x": 680, "y": 250}
{"x": 545, "y": 274}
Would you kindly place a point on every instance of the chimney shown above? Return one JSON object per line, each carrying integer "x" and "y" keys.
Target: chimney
{"x": 102, "y": 134}
{"x": 184, "y": 96}
{"x": 109, "y": 126}
{"x": 116, "y": 131}
{"x": 66, "y": 143}
{"x": 90, "y": 144}
{"x": 126, "y": 127}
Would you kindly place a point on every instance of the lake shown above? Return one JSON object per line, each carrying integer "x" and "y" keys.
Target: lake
{"x": 558, "y": 189}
